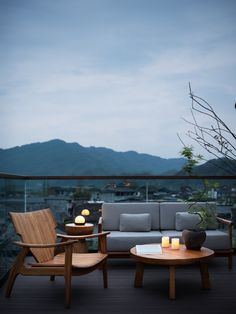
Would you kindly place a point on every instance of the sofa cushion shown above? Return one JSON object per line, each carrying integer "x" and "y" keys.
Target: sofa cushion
{"x": 123, "y": 241}
{"x": 213, "y": 225}
{"x": 167, "y": 214}
{"x": 111, "y": 213}
{"x": 217, "y": 240}
{"x": 184, "y": 220}
{"x": 168, "y": 211}
{"x": 173, "y": 234}
{"x": 135, "y": 222}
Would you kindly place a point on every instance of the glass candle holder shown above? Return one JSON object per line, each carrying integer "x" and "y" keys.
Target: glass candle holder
{"x": 175, "y": 243}
{"x": 165, "y": 241}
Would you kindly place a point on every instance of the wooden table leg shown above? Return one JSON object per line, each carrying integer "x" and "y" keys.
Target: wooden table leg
{"x": 205, "y": 276}
{"x": 172, "y": 282}
{"x": 139, "y": 275}
{"x": 80, "y": 247}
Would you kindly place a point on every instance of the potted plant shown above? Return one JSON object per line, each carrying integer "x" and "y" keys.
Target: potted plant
{"x": 194, "y": 238}
{"x": 207, "y": 217}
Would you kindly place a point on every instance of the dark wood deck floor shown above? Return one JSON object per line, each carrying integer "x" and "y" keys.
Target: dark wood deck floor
{"x": 38, "y": 295}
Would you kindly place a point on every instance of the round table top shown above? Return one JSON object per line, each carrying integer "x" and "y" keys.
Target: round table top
{"x": 73, "y": 229}
{"x": 171, "y": 256}
{"x": 72, "y": 224}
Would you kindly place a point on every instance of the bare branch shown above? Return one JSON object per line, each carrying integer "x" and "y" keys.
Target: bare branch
{"x": 216, "y": 137}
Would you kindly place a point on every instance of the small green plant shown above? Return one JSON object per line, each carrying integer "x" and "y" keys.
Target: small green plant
{"x": 206, "y": 213}
{"x": 207, "y": 216}
{"x": 192, "y": 159}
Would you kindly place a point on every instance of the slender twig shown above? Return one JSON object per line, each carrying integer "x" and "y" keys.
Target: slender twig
{"x": 216, "y": 138}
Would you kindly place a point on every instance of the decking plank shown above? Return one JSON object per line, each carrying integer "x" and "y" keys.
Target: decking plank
{"x": 37, "y": 295}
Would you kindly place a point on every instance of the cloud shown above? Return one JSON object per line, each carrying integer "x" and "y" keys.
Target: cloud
{"x": 120, "y": 85}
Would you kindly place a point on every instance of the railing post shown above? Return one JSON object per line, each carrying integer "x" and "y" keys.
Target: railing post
{"x": 25, "y": 196}
{"x": 147, "y": 191}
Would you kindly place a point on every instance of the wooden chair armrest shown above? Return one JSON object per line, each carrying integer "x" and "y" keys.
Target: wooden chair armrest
{"x": 100, "y": 221}
{"x": 102, "y": 243}
{"x": 225, "y": 221}
{"x": 229, "y": 225}
{"x": 81, "y": 237}
{"x": 31, "y": 245}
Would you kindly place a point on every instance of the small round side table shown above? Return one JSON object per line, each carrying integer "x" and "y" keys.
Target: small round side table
{"x": 73, "y": 229}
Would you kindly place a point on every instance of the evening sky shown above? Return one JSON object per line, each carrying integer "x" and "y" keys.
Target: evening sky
{"x": 113, "y": 73}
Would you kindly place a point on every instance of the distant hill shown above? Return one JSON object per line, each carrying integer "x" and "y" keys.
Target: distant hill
{"x": 57, "y": 157}
{"x": 217, "y": 167}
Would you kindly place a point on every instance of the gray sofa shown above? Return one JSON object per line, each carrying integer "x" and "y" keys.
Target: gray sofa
{"x": 128, "y": 228}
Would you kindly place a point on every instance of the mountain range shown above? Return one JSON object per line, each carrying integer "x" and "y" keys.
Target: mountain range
{"x": 57, "y": 157}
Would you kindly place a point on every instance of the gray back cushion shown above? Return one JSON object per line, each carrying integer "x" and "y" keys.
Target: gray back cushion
{"x": 135, "y": 222}
{"x": 168, "y": 212}
{"x": 184, "y": 220}
{"x": 111, "y": 213}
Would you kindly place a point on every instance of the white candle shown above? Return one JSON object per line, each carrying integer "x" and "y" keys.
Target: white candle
{"x": 175, "y": 243}
{"x": 165, "y": 241}
{"x": 79, "y": 220}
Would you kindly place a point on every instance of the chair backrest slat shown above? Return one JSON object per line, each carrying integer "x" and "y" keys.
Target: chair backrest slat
{"x": 36, "y": 227}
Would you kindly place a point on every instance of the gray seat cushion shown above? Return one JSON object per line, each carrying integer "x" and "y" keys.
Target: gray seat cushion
{"x": 123, "y": 241}
{"x": 217, "y": 240}
{"x": 172, "y": 234}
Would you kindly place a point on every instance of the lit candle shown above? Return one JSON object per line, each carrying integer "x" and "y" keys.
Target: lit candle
{"x": 79, "y": 220}
{"x": 175, "y": 243}
{"x": 165, "y": 241}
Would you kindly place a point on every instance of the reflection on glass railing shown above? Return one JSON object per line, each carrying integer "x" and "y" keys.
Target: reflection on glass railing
{"x": 8, "y": 249}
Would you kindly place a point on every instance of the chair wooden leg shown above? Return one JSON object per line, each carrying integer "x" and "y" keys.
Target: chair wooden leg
{"x": 15, "y": 270}
{"x": 10, "y": 282}
{"x": 104, "y": 269}
{"x": 67, "y": 291}
{"x": 68, "y": 273}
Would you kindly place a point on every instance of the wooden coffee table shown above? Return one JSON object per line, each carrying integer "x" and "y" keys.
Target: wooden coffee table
{"x": 173, "y": 258}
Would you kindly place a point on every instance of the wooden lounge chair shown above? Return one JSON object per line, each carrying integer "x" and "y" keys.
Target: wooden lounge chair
{"x": 38, "y": 235}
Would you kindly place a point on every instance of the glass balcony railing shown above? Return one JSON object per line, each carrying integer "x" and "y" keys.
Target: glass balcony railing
{"x": 66, "y": 196}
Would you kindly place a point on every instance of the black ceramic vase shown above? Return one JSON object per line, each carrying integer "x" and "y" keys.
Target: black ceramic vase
{"x": 193, "y": 239}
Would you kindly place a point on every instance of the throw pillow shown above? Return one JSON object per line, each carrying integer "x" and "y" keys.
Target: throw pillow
{"x": 135, "y": 222}
{"x": 184, "y": 220}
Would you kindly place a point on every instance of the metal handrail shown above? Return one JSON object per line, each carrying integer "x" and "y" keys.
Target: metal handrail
{"x": 117, "y": 177}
